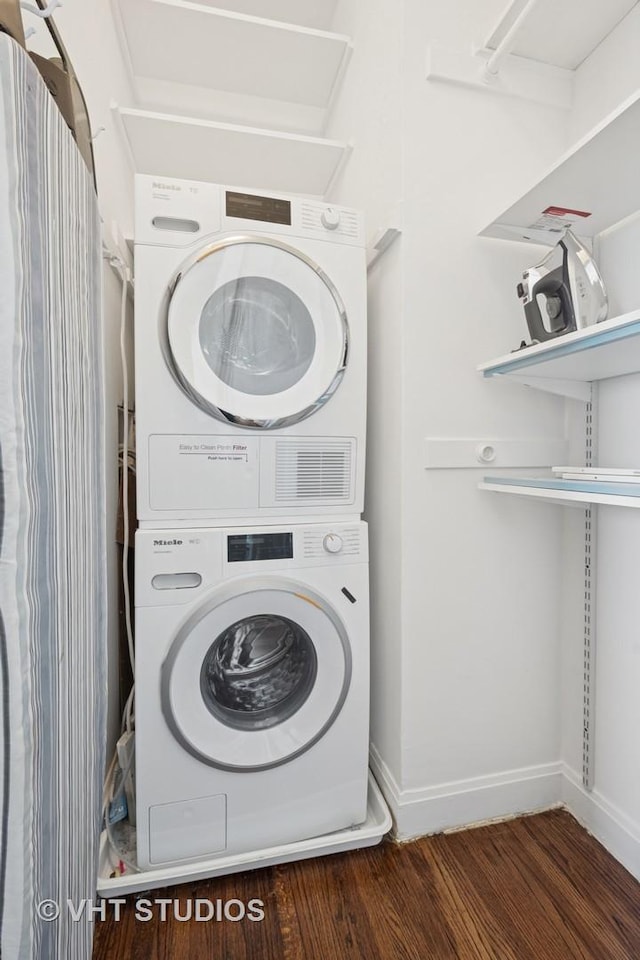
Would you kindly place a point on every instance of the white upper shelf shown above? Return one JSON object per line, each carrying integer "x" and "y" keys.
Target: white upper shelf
{"x": 309, "y": 13}
{"x": 599, "y": 176}
{"x": 607, "y": 349}
{"x": 565, "y": 491}
{"x": 578, "y": 26}
{"x": 183, "y": 147}
{"x": 199, "y": 45}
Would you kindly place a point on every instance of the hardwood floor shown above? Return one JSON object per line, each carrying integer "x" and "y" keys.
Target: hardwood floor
{"x": 537, "y": 888}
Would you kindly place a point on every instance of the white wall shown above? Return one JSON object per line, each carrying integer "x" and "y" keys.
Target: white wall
{"x": 466, "y": 586}
{"x": 612, "y": 809}
{"x": 89, "y": 36}
{"x": 482, "y": 586}
{"x": 478, "y": 601}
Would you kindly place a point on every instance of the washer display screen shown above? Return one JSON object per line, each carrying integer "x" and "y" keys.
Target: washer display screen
{"x": 259, "y": 546}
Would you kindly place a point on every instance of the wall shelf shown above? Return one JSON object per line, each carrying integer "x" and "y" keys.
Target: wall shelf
{"x": 195, "y": 149}
{"x": 568, "y": 364}
{"x": 599, "y": 175}
{"x": 199, "y": 45}
{"x": 311, "y": 13}
{"x": 566, "y": 491}
{"x": 578, "y": 27}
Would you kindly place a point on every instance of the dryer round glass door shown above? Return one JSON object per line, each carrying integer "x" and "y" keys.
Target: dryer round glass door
{"x": 257, "y": 675}
{"x": 256, "y": 333}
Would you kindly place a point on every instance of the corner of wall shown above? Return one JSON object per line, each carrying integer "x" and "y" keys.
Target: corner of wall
{"x": 619, "y": 834}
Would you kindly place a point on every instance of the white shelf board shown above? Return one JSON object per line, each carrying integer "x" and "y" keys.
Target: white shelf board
{"x": 607, "y": 349}
{"x": 175, "y": 146}
{"x": 566, "y": 491}
{"x": 310, "y": 13}
{"x": 224, "y": 107}
{"x": 579, "y": 26}
{"x": 190, "y": 43}
{"x": 599, "y": 175}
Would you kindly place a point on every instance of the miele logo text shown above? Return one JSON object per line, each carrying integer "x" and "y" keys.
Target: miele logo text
{"x": 166, "y": 186}
{"x": 168, "y": 543}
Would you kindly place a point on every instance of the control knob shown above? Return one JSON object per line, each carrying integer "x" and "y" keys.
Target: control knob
{"x": 332, "y": 543}
{"x": 330, "y": 218}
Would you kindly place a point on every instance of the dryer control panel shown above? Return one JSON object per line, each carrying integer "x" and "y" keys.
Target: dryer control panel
{"x": 181, "y": 213}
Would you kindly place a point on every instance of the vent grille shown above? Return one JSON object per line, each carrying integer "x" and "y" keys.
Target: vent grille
{"x": 314, "y": 473}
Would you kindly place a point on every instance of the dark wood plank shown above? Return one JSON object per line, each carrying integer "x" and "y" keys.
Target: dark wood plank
{"x": 537, "y": 888}
{"x": 586, "y": 872}
{"x": 215, "y": 940}
{"x": 376, "y": 903}
{"x": 508, "y": 891}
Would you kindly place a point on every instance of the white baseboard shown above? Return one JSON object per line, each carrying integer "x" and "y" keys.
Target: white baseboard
{"x": 615, "y": 831}
{"x": 466, "y": 802}
{"x": 469, "y": 802}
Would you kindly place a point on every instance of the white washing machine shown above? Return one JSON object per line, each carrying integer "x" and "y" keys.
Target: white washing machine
{"x": 252, "y": 687}
{"x": 250, "y": 355}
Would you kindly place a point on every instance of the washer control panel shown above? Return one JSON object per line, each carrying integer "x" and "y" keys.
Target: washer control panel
{"x": 174, "y": 566}
{"x": 280, "y": 548}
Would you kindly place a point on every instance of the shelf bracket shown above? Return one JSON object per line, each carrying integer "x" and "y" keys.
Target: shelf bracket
{"x": 518, "y": 77}
{"x": 382, "y": 243}
{"x": 576, "y": 389}
{"x": 339, "y": 167}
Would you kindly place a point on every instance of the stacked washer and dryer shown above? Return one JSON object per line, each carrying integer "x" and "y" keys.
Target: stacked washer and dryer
{"x": 252, "y": 620}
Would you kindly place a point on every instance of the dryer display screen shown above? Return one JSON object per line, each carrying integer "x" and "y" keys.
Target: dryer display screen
{"x": 242, "y": 548}
{"x": 247, "y": 206}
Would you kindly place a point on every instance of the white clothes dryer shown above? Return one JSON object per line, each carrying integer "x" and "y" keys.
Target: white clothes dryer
{"x": 252, "y": 687}
{"x": 250, "y": 319}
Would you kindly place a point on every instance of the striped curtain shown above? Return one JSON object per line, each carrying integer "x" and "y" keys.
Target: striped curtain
{"x": 52, "y": 525}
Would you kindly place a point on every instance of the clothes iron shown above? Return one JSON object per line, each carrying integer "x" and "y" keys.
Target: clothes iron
{"x": 570, "y": 283}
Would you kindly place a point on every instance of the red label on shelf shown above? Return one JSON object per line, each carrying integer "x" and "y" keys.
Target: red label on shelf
{"x": 564, "y": 211}
{"x": 558, "y": 219}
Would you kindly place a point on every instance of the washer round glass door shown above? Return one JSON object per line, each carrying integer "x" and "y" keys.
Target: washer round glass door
{"x": 257, "y": 675}
{"x": 256, "y": 332}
